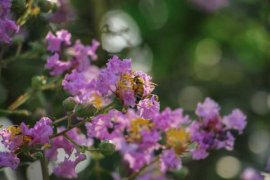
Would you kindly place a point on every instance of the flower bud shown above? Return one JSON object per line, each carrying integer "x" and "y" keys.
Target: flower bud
{"x": 38, "y": 155}
{"x": 106, "y": 148}
{"x": 69, "y": 103}
{"x": 38, "y": 82}
{"x": 83, "y": 110}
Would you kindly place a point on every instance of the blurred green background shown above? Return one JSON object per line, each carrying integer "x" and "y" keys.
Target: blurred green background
{"x": 191, "y": 53}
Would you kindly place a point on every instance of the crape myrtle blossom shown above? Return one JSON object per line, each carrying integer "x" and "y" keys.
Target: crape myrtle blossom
{"x": 14, "y": 138}
{"x": 61, "y": 142}
{"x": 211, "y": 131}
{"x": 251, "y": 174}
{"x": 55, "y": 42}
{"x": 93, "y": 85}
{"x": 137, "y": 137}
{"x": 8, "y": 26}
{"x": 169, "y": 160}
{"x": 78, "y": 55}
{"x": 8, "y": 159}
{"x": 123, "y": 115}
{"x": 119, "y": 79}
{"x": 67, "y": 167}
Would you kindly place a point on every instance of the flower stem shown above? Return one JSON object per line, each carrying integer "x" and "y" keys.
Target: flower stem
{"x": 72, "y": 141}
{"x": 21, "y": 100}
{"x": 17, "y": 112}
{"x": 136, "y": 174}
{"x": 44, "y": 167}
{"x": 28, "y": 94}
{"x": 106, "y": 108}
{"x": 60, "y": 120}
{"x": 71, "y": 127}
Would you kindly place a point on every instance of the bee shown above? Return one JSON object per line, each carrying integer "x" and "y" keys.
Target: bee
{"x": 139, "y": 88}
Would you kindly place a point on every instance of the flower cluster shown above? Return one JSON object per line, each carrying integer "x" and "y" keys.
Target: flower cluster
{"x": 15, "y": 138}
{"x": 8, "y": 26}
{"x": 66, "y": 168}
{"x": 119, "y": 111}
{"x": 211, "y": 131}
{"x": 78, "y": 54}
{"x": 140, "y": 132}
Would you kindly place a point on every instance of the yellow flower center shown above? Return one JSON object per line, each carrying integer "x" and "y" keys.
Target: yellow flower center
{"x": 97, "y": 102}
{"x": 16, "y": 132}
{"x": 178, "y": 139}
{"x": 13, "y": 130}
{"x": 137, "y": 126}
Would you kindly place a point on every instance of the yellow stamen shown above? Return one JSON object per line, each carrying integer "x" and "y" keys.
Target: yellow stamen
{"x": 14, "y": 131}
{"x": 137, "y": 125}
{"x": 97, "y": 102}
{"x": 178, "y": 139}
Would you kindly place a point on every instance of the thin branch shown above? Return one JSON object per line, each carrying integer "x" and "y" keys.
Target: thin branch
{"x": 26, "y": 96}
{"x": 136, "y": 174}
{"x": 71, "y": 127}
{"x": 60, "y": 120}
{"x": 21, "y": 100}
{"x": 17, "y": 112}
{"x": 44, "y": 167}
{"x": 72, "y": 141}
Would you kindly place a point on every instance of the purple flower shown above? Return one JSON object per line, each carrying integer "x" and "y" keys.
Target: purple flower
{"x": 7, "y": 30}
{"x": 112, "y": 73}
{"x": 66, "y": 169}
{"x": 62, "y": 37}
{"x": 107, "y": 126}
{"x": 199, "y": 153}
{"x": 168, "y": 119}
{"x": 208, "y": 109}
{"x": 149, "y": 140}
{"x": 251, "y": 174}
{"x": 78, "y": 53}
{"x": 81, "y": 54}
{"x": 11, "y": 138}
{"x": 149, "y": 108}
{"x": 62, "y": 142}
{"x": 82, "y": 84}
{"x": 236, "y": 120}
{"x": 41, "y": 132}
{"x": 169, "y": 161}
{"x": 4, "y": 7}
{"x": 14, "y": 137}
{"x": 8, "y": 159}
{"x": 8, "y": 26}
{"x": 91, "y": 50}
{"x": 137, "y": 160}
{"x": 57, "y": 66}
{"x": 99, "y": 126}
{"x": 212, "y": 131}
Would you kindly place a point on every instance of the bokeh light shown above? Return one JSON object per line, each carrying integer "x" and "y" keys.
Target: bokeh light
{"x": 119, "y": 31}
{"x": 228, "y": 167}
